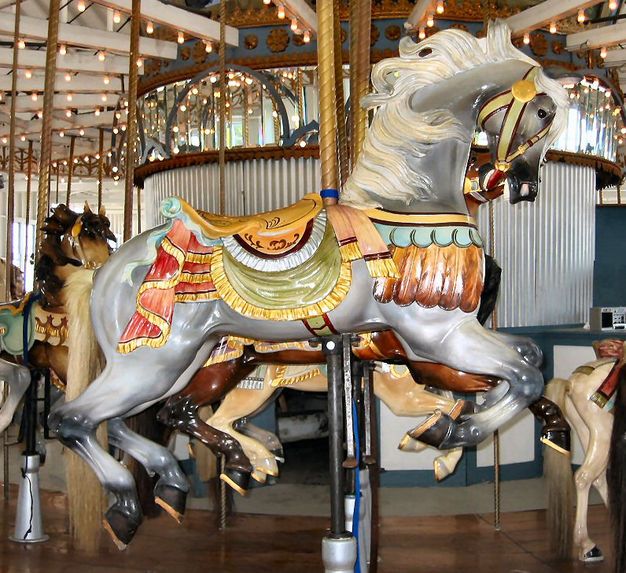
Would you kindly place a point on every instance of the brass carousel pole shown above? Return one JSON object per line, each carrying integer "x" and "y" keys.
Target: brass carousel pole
{"x": 28, "y": 187}
{"x": 328, "y": 108}
{"x": 45, "y": 154}
{"x": 355, "y": 8}
{"x": 70, "y": 171}
{"x": 100, "y": 166}
{"x": 363, "y": 74}
{"x": 131, "y": 124}
{"x": 342, "y": 140}
{"x": 12, "y": 136}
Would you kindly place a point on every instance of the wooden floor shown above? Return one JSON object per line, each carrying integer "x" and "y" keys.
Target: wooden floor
{"x": 254, "y": 543}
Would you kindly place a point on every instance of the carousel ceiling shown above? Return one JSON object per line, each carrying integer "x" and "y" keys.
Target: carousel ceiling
{"x": 93, "y": 59}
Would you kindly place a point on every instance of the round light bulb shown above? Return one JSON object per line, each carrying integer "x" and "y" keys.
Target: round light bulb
{"x": 440, "y": 8}
{"x": 552, "y": 27}
{"x": 62, "y": 49}
{"x": 28, "y": 74}
{"x": 603, "y": 52}
{"x": 526, "y": 38}
{"x": 81, "y": 6}
{"x": 181, "y": 38}
{"x": 102, "y": 56}
{"x": 149, "y": 28}
{"x": 422, "y": 33}
{"x": 68, "y": 77}
{"x": 430, "y": 21}
{"x": 581, "y": 16}
{"x": 34, "y": 96}
{"x": 306, "y": 37}
{"x": 106, "y": 80}
{"x": 281, "y": 12}
{"x": 294, "y": 24}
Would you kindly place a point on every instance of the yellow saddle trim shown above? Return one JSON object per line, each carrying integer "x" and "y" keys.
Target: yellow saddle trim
{"x": 268, "y": 224}
{"x": 420, "y": 219}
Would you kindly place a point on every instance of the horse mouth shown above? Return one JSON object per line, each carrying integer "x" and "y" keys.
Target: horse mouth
{"x": 521, "y": 190}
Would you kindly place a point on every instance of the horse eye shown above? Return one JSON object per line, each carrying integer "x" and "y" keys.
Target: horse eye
{"x": 541, "y": 113}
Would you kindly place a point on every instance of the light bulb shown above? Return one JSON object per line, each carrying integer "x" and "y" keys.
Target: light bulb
{"x": 181, "y": 38}
{"x": 281, "y": 12}
{"x": 117, "y": 17}
{"x": 34, "y": 96}
{"x": 306, "y": 37}
{"x": 422, "y": 33}
{"x": 81, "y": 6}
{"x": 294, "y": 24}
{"x": 22, "y": 138}
{"x": 440, "y": 7}
{"x": 267, "y": 2}
{"x": 97, "y": 112}
{"x": 69, "y": 97}
{"x": 102, "y": 55}
{"x": 103, "y": 97}
{"x": 149, "y": 28}
{"x": 62, "y": 49}
{"x": 81, "y": 132}
{"x": 581, "y": 16}
{"x": 612, "y": 4}
{"x": 21, "y": 44}
{"x": 139, "y": 62}
{"x": 68, "y": 113}
{"x": 526, "y": 38}
{"x": 61, "y": 133}
{"x": 430, "y": 21}
{"x": 208, "y": 47}
{"x": 28, "y": 74}
{"x": 67, "y": 77}
{"x": 603, "y": 52}
{"x": 552, "y": 27}
{"x": 106, "y": 80}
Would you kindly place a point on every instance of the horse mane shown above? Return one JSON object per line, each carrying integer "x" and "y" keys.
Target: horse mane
{"x": 397, "y": 134}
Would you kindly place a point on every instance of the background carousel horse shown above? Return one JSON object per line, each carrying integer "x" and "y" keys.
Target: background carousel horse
{"x": 361, "y": 266}
{"x": 586, "y": 401}
{"x": 71, "y": 241}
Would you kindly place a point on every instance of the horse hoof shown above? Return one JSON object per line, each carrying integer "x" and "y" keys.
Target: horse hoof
{"x": 462, "y": 409}
{"x": 120, "y": 526}
{"x": 279, "y": 454}
{"x": 236, "y": 479}
{"x": 171, "y": 499}
{"x": 594, "y": 555}
{"x": 558, "y": 440}
{"x": 435, "y": 431}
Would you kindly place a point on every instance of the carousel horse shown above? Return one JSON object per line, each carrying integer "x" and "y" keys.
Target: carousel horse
{"x": 586, "y": 399}
{"x": 399, "y": 252}
{"x": 393, "y": 385}
{"x": 71, "y": 241}
{"x": 233, "y": 360}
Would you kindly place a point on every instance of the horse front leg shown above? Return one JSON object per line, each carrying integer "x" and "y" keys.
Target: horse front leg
{"x": 209, "y": 385}
{"x": 462, "y": 343}
{"x": 17, "y": 379}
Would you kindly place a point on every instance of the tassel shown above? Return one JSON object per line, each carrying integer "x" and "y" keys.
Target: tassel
{"x": 350, "y": 252}
{"x": 383, "y": 268}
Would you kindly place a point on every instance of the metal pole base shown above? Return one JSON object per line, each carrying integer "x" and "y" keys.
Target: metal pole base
{"x": 28, "y": 524}
{"x": 339, "y": 554}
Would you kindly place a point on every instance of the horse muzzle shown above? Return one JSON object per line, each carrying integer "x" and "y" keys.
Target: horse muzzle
{"x": 522, "y": 185}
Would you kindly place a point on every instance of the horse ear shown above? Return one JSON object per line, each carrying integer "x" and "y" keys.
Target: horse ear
{"x": 86, "y": 208}
{"x": 64, "y": 214}
{"x": 102, "y": 212}
{"x": 567, "y": 78}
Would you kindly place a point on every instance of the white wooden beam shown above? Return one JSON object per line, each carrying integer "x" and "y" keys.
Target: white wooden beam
{"x": 597, "y": 37}
{"x": 76, "y": 62}
{"x": 190, "y": 24}
{"x": 79, "y": 83}
{"x": 615, "y": 58}
{"x": 76, "y": 35}
{"x": 303, "y": 12}
{"x": 419, "y": 13}
{"x": 79, "y": 101}
{"x": 545, "y": 12}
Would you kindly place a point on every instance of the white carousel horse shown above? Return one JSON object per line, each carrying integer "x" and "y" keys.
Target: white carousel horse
{"x": 587, "y": 411}
{"x": 375, "y": 261}
{"x": 395, "y": 386}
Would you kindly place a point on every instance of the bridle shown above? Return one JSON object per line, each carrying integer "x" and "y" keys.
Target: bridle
{"x": 76, "y": 244}
{"x": 514, "y": 101}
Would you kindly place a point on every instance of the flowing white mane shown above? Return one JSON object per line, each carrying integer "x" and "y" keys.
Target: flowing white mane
{"x": 398, "y": 134}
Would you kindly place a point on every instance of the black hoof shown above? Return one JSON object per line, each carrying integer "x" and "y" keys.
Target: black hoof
{"x": 121, "y": 526}
{"x": 435, "y": 431}
{"x": 238, "y": 480}
{"x": 593, "y": 555}
{"x": 279, "y": 454}
{"x": 171, "y": 499}
{"x": 557, "y": 439}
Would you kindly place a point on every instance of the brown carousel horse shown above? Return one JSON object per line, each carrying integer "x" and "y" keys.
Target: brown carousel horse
{"x": 233, "y": 360}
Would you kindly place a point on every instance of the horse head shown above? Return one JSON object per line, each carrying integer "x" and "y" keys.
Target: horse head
{"x": 431, "y": 100}
{"x": 71, "y": 241}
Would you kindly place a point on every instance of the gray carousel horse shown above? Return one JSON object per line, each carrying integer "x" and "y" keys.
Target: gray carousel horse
{"x": 166, "y": 297}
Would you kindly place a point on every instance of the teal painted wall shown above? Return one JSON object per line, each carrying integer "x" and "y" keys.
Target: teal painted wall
{"x": 609, "y": 273}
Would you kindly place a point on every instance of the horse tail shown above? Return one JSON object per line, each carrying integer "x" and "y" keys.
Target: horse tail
{"x": 560, "y": 488}
{"x": 616, "y": 475}
{"x": 86, "y": 500}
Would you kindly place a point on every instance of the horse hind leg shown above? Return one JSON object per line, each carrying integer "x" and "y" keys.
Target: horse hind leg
{"x": 172, "y": 487}
{"x": 16, "y": 379}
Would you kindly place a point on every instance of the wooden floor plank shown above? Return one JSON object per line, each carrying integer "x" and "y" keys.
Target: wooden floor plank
{"x": 264, "y": 544}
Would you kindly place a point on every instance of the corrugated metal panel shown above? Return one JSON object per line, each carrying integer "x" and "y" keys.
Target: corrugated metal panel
{"x": 251, "y": 186}
{"x": 546, "y": 248}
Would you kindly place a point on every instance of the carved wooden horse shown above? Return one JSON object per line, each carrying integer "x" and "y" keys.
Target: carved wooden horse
{"x": 584, "y": 399}
{"x": 71, "y": 241}
{"x": 400, "y": 253}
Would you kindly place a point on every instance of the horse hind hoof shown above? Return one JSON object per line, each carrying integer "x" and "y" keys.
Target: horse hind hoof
{"x": 435, "y": 431}
{"x": 172, "y": 500}
{"x": 120, "y": 526}
{"x": 238, "y": 480}
{"x": 594, "y": 555}
{"x": 558, "y": 440}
